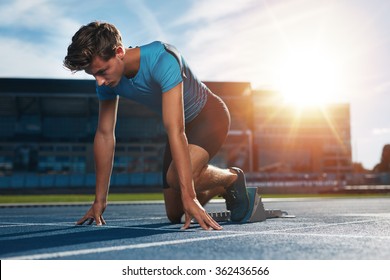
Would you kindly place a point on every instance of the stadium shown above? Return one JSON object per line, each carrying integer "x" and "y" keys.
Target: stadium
{"x": 47, "y": 128}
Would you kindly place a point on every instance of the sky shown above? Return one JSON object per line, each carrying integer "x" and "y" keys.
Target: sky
{"x": 310, "y": 51}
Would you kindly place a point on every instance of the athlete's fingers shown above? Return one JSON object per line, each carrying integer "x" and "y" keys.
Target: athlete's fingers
{"x": 208, "y": 222}
{"x": 187, "y": 221}
{"x": 98, "y": 221}
{"x": 82, "y": 220}
{"x": 202, "y": 221}
{"x": 213, "y": 223}
{"x": 203, "y": 224}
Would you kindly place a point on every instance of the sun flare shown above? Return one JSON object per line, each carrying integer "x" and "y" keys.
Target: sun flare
{"x": 308, "y": 77}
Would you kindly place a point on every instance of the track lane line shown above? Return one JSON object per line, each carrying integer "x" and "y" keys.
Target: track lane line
{"x": 73, "y": 253}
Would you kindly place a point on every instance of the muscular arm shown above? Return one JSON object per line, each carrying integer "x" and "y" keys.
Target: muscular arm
{"x": 173, "y": 118}
{"x": 104, "y": 146}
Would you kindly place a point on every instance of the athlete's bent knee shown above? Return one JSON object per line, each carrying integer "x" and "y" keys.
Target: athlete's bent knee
{"x": 174, "y": 218}
{"x": 172, "y": 180}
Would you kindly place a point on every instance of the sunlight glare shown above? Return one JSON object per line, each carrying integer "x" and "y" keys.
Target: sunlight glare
{"x": 309, "y": 77}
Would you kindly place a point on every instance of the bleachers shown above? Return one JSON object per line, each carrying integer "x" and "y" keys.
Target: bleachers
{"x": 65, "y": 127}
{"x": 8, "y": 106}
{"x": 66, "y": 181}
{"x": 47, "y": 128}
{"x": 7, "y": 126}
{"x": 28, "y": 125}
{"x": 64, "y": 106}
{"x": 136, "y": 129}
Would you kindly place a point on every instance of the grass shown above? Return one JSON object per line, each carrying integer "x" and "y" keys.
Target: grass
{"x": 63, "y": 198}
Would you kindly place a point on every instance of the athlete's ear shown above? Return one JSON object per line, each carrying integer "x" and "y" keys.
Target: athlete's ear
{"x": 120, "y": 52}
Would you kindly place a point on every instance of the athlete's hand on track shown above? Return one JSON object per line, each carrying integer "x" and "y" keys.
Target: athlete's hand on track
{"x": 95, "y": 213}
{"x": 193, "y": 209}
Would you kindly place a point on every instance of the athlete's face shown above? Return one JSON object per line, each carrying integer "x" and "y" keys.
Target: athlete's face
{"x": 107, "y": 72}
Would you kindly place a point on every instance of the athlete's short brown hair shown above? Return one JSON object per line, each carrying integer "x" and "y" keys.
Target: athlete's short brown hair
{"x": 91, "y": 40}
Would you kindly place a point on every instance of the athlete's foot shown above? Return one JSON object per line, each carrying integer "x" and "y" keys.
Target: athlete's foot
{"x": 236, "y": 196}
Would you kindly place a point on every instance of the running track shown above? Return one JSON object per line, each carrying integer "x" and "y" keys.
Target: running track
{"x": 328, "y": 228}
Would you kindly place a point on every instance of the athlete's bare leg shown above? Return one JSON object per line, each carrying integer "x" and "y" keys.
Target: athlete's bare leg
{"x": 209, "y": 181}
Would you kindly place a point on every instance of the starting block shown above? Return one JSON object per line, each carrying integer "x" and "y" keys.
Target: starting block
{"x": 256, "y": 213}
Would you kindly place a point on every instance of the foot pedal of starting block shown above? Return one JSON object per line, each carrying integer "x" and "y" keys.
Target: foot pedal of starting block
{"x": 277, "y": 214}
{"x": 256, "y": 213}
{"x": 223, "y": 216}
{"x": 220, "y": 216}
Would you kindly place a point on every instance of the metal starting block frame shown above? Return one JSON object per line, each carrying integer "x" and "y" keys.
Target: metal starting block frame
{"x": 256, "y": 213}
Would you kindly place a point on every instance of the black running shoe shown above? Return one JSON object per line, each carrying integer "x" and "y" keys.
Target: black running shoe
{"x": 237, "y": 200}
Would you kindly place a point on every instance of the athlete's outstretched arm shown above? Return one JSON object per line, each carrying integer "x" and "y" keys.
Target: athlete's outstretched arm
{"x": 104, "y": 147}
{"x": 173, "y": 119}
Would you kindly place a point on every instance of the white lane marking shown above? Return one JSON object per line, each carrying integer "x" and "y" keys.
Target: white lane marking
{"x": 72, "y": 253}
{"x": 175, "y": 242}
{"x": 329, "y": 225}
{"x": 62, "y": 224}
{"x": 375, "y": 237}
{"x": 69, "y": 226}
{"x": 309, "y": 227}
{"x": 59, "y": 224}
{"x": 379, "y": 215}
{"x": 15, "y": 224}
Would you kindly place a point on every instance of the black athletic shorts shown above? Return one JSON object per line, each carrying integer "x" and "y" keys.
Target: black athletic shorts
{"x": 208, "y": 130}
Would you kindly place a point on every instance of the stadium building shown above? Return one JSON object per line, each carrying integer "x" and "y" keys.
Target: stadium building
{"x": 293, "y": 139}
{"x": 47, "y": 128}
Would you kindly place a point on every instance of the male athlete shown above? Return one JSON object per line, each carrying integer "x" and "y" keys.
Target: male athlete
{"x": 196, "y": 122}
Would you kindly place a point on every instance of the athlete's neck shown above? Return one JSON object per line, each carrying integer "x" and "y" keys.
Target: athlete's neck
{"x": 132, "y": 61}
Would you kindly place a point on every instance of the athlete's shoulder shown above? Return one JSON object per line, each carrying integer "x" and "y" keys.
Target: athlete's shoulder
{"x": 156, "y": 46}
{"x": 159, "y": 46}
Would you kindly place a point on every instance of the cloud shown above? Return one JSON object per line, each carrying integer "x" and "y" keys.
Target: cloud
{"x": 39, "y": 46}
{"x": 381, "y": 131}
{"x": 40, "y": 15}
{"x": 40, "y": 56}
{"x": 248, "y": 38}
{"x": 147, "y": 18}
{"x": 24, "y": 59}
{"x": 230, "y": 41}
{"x": 382, "y": 87}
{"x": 204, "y": 11}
